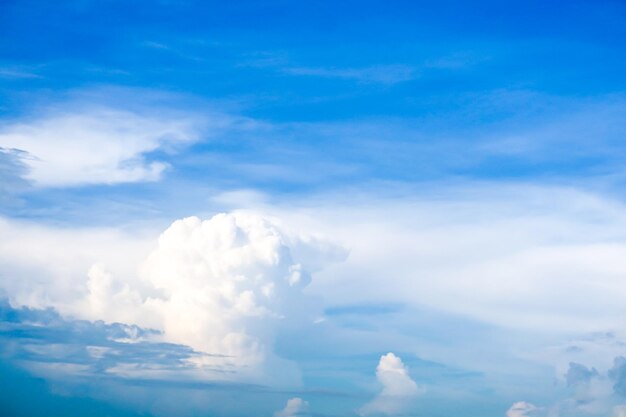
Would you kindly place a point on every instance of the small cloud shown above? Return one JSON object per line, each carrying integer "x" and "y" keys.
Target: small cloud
{"x": 398, "y": 388}
{"x": 521, "y": 409}
{"x": 296, "y": 407}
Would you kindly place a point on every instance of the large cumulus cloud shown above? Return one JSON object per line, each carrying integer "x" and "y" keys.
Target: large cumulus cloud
{"x": 220, "y": 286}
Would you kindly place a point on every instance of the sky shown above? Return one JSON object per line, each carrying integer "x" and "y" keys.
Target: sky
{"x": 312, "y": 209}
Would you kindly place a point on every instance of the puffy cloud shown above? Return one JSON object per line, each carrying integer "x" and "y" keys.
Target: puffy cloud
{"x": 295, "y": 407}
{"x": 401, "y": 252}
{"x": 220, "y": 286}
{"x": 521, "y": 409}
{"x": 398, "y": 388}
{"x": 394, "y": 376}
{"x": 95, "y": 145}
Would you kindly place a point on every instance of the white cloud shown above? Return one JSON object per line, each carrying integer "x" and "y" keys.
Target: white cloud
{"x": 221, "y": 286}
{"x": 223, "y": 283}
{"x": 544, "y": 260}
{"x": 398, "y": 388}
{"x": 43, "y": 266}
{"x": 96, "y": 145}
{"x": 521, "y": 409}
{"x": 295, "y": 407}
{"x": 541, "y": 264}
{"x": 498, "y": 255}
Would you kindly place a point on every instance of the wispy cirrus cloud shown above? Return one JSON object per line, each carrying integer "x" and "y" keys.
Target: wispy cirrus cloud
{"x": 377, "y": 74}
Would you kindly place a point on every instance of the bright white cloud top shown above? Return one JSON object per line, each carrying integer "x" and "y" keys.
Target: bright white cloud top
{"x": 398, "y": 388}
{"x": 220, "y": 286}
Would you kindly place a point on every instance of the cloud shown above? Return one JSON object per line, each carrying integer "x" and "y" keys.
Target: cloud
{"x": 221, "y": 280}
{"x": 514, "y": 248}
{"x": 424, "y": 254}
{"x": 515, "y": 262}
{"x": 589, "y": 390}
{"x": 295, "y": 407}
{"x": 521, "y": 409}
{"x": 398, "y": 388}
{"x": 96, "y": 144}
{"x": 222, "y": 286}
{"x": 579, "y": 374}
{"x": 54, "y": 347}
{"x": 46, "y": 266}
{"x": 107, "y": 367}
{"x": 382, "y": 74}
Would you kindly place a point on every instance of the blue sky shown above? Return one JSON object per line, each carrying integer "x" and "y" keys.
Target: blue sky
{"x": 283, "y": 209}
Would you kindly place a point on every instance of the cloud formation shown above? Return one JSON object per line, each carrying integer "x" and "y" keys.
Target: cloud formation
{"x": 220, "y": 286}
{"x": 398, "y": 388}
{"x": 400, "y": 252}
{"x": 521, "y": 409}
{"x": 295, "y": 407}
{"x": 96, "y": 145}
